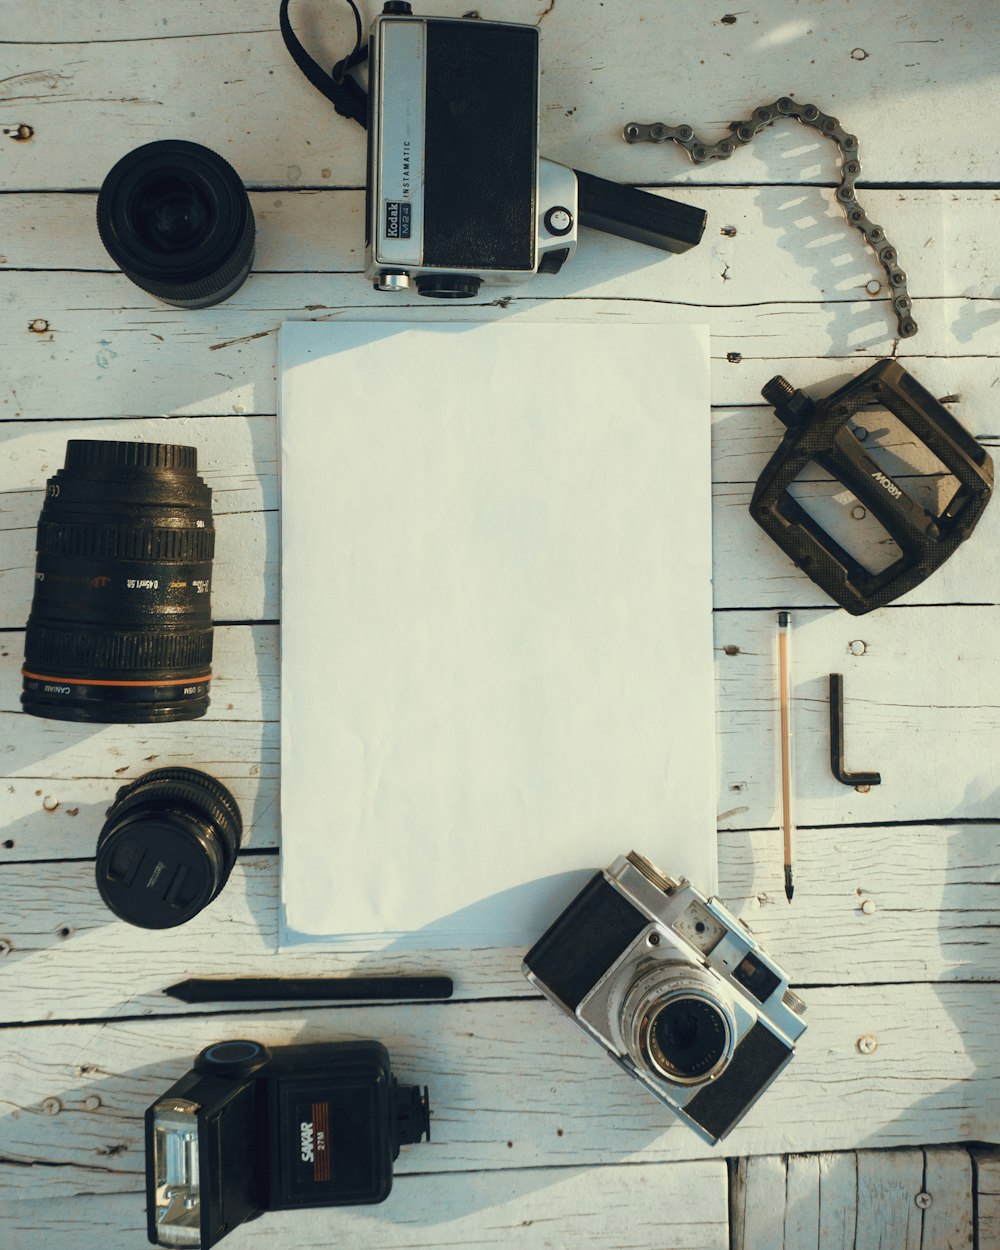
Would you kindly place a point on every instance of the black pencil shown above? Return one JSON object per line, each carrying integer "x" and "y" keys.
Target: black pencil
{"x": 313, "y": 989}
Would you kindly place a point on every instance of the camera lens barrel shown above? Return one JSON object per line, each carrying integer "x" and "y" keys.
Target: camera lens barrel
{"x": 121, "y": 621}
{"x": 677, "y": 1023}
{"x": 167, "y": 847}
{"x": 177, "y": 221}
{"x": 687, "y": 1037}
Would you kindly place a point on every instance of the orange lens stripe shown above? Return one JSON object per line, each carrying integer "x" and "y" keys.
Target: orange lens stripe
{"x": 87, "y": 681}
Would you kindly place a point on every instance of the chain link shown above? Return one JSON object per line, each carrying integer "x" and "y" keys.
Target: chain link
{"x": 850, "y": 167}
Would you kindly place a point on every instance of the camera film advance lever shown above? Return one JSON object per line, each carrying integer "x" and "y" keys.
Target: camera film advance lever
{"x": 818, "y": 430}
{"x": 457, "y": 192}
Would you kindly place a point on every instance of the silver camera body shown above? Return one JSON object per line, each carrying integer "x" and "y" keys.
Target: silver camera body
{"x": 457, "y": 192}
{"x": 674, "y": 988}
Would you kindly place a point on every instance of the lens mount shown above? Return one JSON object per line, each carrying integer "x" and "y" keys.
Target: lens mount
{"x": 175, "y": 218}
{"x": 678, "y": 1023}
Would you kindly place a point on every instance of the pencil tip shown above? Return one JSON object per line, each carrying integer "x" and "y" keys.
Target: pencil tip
{"x": 789, "y": 888}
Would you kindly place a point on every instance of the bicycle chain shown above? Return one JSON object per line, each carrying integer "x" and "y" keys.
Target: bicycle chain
{"x": 850, "y": 167}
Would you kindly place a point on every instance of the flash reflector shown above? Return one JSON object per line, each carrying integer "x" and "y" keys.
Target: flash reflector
{"x": 177, "y": 1198}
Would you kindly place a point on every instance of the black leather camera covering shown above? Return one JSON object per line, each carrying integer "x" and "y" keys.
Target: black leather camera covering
{"x": 757, "y": 1060}
{"x": 480, "y": 146}
{"x": 583, "y": 943}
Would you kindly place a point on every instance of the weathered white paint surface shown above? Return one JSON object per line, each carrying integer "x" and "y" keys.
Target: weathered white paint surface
{"x": 518, "y": 1085}
{"x": 539, "y": 1141}
{"x": 535, "y": 1209}
{"x": 904, "y": 1200}
{"x": 94, "y": 85}
{"x": 929, "y": 890}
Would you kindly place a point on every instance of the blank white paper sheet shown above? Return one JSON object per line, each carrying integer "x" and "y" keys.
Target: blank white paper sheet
{"x": 496, "y": 622}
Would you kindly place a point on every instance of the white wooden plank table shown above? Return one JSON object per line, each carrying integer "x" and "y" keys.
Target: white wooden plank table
{"x": 538, "y": 1140}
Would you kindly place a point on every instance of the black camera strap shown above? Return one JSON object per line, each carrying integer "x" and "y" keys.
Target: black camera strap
{"x": 348, "y": 97}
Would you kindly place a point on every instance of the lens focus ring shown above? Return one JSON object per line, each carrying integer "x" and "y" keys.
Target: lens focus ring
{"x": 182, "y": 794}
{"x": 82, "y": 453}
{"x": 194, "y": 777}
{"x": 125, "y": 542}
{"x": 118, "y": 651}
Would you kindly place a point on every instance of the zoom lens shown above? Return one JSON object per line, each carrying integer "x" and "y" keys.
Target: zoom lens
{"x": 176, "y": 219}
{"x": 167, "y": 847}
{"x": 121, "y": 621}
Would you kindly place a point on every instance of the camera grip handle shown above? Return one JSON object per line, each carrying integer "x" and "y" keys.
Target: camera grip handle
{"x": 637, "y": 215}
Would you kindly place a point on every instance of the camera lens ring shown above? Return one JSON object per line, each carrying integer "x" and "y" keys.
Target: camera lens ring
{"x": 167, "y": 847}
{"x": 187, "y": 791}
{"x": 232, "y": 823}
{"x": 175, "y": 218}
{"x": 686, "y": 1038}
{"x": 662, "y": 983}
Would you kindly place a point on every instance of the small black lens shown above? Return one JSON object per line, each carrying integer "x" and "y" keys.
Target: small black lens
{"x": 167, "y": 847}
{"x": 176, "y": 219}
{"x": 688, "y": 1037}
{"x": 121, "y": 621}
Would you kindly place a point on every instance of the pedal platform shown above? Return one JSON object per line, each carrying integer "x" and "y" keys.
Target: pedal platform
{"x": 818, "y": 431}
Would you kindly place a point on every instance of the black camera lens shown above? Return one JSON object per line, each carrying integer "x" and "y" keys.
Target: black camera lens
{"x": 121, "y": 621}
{"x": 176, "y": 219}
{"x": 688, "y": 1037}
{"x": 167, "y": 847}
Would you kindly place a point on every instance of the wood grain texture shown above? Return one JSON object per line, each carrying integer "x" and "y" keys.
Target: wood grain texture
{"x": 238, "y": 458}
{"x": 838, "y": 1201}
{"x": 920, "y": 696}
{"x": 553, "y": 1097}
{"x": 219, "y": 73}
{"x": 888, "y": 1217}
{"x": 129, "y": 355}
{"x": 766, "y": 244}
{"x": 864, "y": 1200}
{"x": 539, "y": 1141}
{"x": 63, "y": 955}
{"x": 948, "y": 1222}
{"x": 986, "y": 1178}
{"x": 643, "y": 1207}
{"x": 757, "y": 1202}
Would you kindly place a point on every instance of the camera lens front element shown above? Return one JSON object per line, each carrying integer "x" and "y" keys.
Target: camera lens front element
{"x": 677, "y": 1023}
{"x": 686, "y": 1038}
{"x": 171, "y": 214}
{"x": 177, "y": 221}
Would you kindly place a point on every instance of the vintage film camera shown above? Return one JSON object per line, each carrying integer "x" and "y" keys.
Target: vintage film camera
{"x": 250, "y": 1129}
{"x": 674, "y": 988}
{"x": 457, "y": 194}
